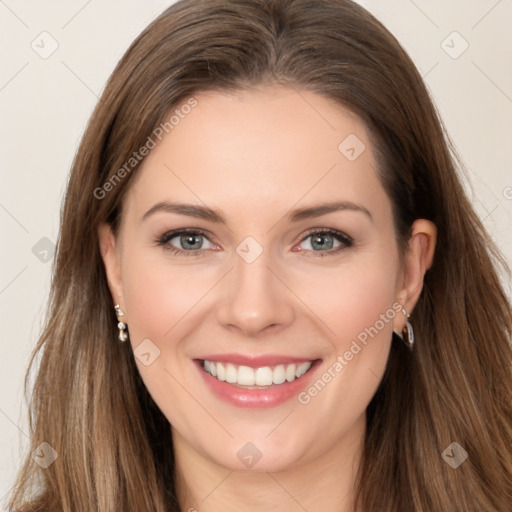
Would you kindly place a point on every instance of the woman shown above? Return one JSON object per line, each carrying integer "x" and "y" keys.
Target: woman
{"x": 271, "y": 291}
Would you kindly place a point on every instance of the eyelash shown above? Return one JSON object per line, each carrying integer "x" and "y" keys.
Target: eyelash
{"x": 164, "y": 239}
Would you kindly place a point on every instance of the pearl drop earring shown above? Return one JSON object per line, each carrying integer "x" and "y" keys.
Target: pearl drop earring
{"x": 123, "y": 336}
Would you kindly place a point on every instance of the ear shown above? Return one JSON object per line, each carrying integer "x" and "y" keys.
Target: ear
{"x": 418, "y": 259}
{"x": 109, "y": 248}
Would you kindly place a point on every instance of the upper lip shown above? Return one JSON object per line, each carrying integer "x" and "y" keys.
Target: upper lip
{"x": 255, "y": 361}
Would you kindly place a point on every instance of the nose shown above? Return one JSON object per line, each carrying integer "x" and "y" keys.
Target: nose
{"x": 255, "y": 298}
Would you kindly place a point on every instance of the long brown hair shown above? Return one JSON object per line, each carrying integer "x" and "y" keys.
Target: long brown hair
{"x": 89, "y": 403}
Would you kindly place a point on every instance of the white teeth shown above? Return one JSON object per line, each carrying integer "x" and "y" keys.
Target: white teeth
{"x": 263, "y": 376}
{"x": 279, "y": 374}
{"x": 245, "y": 376}
{"x": 221, "y": 371}
{"x": 302, "y": 369}
{"x": 290, "y": 372}
{"x": 231, "y": 373}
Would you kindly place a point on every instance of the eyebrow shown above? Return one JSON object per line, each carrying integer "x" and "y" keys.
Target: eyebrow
{"x": 208, "y": 214}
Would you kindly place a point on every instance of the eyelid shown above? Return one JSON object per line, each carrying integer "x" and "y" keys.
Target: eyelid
{"x": 163, "y": 240}
{"x": 329, "y": 231}
{"x": 345, "y": 240}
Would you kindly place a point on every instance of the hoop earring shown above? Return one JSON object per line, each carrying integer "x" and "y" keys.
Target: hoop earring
{"x": 123, "y": 336}
{"x": 407, "y": 334}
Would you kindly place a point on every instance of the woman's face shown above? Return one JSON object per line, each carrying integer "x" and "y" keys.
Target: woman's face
{"x": 289, "y": 265}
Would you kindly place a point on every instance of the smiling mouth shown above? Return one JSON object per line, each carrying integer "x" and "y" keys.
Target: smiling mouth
{"x": 256, "y": 378}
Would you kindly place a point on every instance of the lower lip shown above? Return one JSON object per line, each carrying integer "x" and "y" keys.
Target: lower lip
{"x": 271, "y": 396}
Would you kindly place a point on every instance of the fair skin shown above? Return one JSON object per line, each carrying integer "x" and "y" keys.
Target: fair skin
{"x": 255, "y": 157}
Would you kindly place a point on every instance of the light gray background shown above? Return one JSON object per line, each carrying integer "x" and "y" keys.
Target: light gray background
{"x": 45, "y": 104}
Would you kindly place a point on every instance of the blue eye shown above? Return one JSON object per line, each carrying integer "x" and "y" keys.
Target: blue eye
{"x": 191, "y": 242}
{"x": 323, "y": 240}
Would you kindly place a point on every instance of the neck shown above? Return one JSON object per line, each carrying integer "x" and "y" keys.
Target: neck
{"x": 324, "y": 483}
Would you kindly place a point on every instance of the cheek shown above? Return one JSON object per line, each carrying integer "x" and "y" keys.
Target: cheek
{"x": 162, "y": 304}
{"x": 356, "y": 304}
{"x": 368, "y": 295}
{"x": 159, "y": 295}
{"x": 351, "y": 298}
{"x": 357, "y": 358}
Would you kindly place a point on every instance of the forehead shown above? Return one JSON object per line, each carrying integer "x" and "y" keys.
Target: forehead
{"x": 260, "y": 147}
